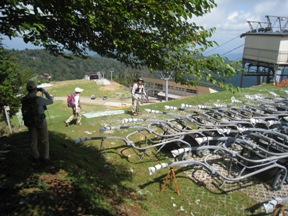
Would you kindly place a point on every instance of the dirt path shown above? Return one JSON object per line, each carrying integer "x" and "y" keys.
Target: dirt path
{"x": 100, "y": 101}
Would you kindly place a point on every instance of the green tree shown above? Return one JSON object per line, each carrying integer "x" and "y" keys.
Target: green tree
{"x": 158, "y": 34}
{"x": 12, "y": 81}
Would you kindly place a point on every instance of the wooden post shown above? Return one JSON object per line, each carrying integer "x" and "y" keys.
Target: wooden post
{"x": 7, "y": 109}
{"x": 279, "y": 208}
{"x": 172, "y": 176}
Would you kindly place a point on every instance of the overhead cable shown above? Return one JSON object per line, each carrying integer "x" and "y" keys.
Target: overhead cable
{"x": 222, "y": 45}
{"x": 233, "y": 50}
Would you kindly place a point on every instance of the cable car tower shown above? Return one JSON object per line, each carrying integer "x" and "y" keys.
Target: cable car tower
{"x": 265, "y": 48}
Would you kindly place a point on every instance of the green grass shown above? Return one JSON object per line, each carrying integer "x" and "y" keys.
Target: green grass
{"x": 87, "y": 180}
{"x": 90, "y": 88}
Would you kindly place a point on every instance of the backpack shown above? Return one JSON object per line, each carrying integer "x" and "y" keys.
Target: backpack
{"x": 30, "y": 114}
{"x": 139, "y": 89}
{"x": 71, "y": 100}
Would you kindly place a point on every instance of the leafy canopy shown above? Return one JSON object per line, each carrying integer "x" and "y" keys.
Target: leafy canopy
{"x": 158, "y": 34}
{"x": 12, "y": 78}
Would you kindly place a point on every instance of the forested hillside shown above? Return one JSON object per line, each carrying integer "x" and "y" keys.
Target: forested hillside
{"x": 60, "y": 68}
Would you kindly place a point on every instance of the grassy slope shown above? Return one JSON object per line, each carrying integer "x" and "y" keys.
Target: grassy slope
{"x": 87, "y": 180}
{"x": 90, "y": 87}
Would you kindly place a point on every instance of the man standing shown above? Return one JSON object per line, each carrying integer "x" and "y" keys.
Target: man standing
{"x": 277, "y": 76}
{"x": 137, "y": 92}
{"x": 36, "y": 120}
{"x": 76, "y": 108}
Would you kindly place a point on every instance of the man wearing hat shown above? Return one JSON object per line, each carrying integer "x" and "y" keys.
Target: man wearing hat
{"x": 76, "y": 110}
{"x": 38, "y": 130}
{"x": 137, "y": 92}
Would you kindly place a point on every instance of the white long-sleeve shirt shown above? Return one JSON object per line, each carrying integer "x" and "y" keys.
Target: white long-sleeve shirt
{"x": 77, "y": 101}
{"x": 138, "y": 90}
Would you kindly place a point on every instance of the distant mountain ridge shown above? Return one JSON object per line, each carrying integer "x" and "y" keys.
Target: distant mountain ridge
{"x": 60, "y": 68}
{"x": 42, "y": 62}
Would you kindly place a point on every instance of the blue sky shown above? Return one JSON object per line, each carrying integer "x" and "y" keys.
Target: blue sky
{"x": 229, "y": 17}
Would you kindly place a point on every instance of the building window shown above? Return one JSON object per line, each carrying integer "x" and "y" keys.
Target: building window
{"x": 191, "y": 91}
{"x": 159, "y": 86}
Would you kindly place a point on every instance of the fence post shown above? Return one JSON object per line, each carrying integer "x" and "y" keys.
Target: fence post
{"x": 6, "y": 109}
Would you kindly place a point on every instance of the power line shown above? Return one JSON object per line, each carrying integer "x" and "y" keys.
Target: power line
{"x": 222, "y": 44}
{"x": 232, "y": 50}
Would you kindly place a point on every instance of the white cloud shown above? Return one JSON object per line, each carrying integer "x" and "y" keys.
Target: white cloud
{"x": 275, "y": 7}
{"x": 233, "y": 16}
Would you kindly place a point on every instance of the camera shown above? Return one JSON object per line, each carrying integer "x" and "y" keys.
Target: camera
{"x": 39, "y": 89}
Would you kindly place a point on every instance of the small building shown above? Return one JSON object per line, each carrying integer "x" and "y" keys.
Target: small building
{"x": 156, "y": 88}
{"x": 94, "y": 76}
{"x": 266, "y": 49}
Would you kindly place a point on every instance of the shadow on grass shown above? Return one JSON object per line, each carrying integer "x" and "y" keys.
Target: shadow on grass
{"x": 80, "y": 181}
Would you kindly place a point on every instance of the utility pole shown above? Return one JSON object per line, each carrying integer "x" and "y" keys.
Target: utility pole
{"x": 166, "y": 78}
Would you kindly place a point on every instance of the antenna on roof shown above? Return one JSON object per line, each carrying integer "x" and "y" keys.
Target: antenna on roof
{"x": 259, "y": 27}
{"x": 281, "y": 20}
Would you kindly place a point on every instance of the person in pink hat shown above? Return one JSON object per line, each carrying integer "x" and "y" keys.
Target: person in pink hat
{"x": 76, "y": 108}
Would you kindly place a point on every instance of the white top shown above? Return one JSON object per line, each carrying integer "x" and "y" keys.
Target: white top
{"x": 77, "y": 100}
{"x": 138, "y": 90}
